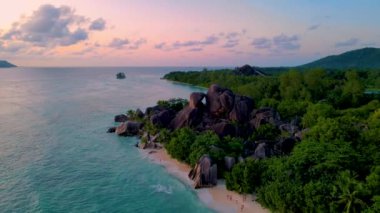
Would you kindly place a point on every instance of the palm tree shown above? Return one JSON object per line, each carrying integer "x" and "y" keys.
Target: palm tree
{"x": 348, "y": 192}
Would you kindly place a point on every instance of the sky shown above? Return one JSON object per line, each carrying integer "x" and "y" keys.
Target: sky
{"x": 43, "y": 33}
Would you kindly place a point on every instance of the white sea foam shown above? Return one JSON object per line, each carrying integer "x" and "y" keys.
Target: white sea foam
{"x": 161, "y": 188}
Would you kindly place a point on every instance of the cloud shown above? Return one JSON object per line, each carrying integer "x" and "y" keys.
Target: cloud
{"x": 75, "y": 37}
{"x": 262, "y": 43}
{"x": 195, "y": 49}
{"x": 278, "y": 43}
{"x": 237, "y": 52}
{"x": 313, "y": 27}
{"x": 160, "y": 46}
{"x": 136, "y": 44}
{"x": 232, "y": 35}
{"x": 98, "y": 24}
{"x": 49, "y": 26}
{"x": 179, "y": 44}
{"x": 85, "y": 51}
{"x": 210, "y": 40}
{"x": 347, "y": 43}
{"x": 118, "y": 43}
{"x": 231, "y": 43}
{"x": 207, "y": 41}
{"x": 233, "y": 39}
{"x": 284, "y": 42}
{"x": 11, "y": 48}
{"x": 368, "y": 44}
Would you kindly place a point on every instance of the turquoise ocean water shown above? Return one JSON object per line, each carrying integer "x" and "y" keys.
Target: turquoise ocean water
{"x": 55, "y": 154}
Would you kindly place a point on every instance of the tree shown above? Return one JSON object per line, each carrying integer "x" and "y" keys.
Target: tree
{"x": 343, "y": 128}
{"x": 233, "y": 146}
{"x": 375, "y": 207}
{"x": 291, "y": 85}
{"x": 348, "y": 193}
{"x": 268, "y": 102}
{"x": 203, "y": 144}
{"x": 353, "y": 89}
{"x": 266, "y": 132}
{"x": 175, "y": 104}
{"x": 180, "y": 143}
{"x": 289, "y": 109}
{"x": 244, "y": 177}
{"x": 317, "y": 83}
{"x": 373, "y": 181}
{"x": 315, "y": 112}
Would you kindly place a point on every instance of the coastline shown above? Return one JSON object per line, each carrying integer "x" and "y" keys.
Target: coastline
{"x": 217, "y": 198}
{"x": 183, "y": 83}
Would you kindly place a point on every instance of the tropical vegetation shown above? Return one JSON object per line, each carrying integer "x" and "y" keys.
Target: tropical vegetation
{"x": 336, "y": 166}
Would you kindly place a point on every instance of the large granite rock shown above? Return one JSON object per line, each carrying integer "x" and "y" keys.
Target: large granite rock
{"x": 223, "y": 129}
{"x": 287, "y": 127}
{"x": 153, "y": 110}
{"x": 264, "y": 116}
{"x": 111, "y": 129}
{"x": 205, "y": 173}
{"x": 139, "y": 113}
{"x": 301, "y": 134}
{"x": 162, "y": 118}
{"x": 148, "y": 141}
{"x": 120, "y": 75}
{"x": 129, "y": 128}
{"x": 229, "y": 162}
{"x": 242, "y": 109}
{"x": 196, "y": 100}
{"x": 187, "y": 117}
{"x": 226, "y": 99}
{"x": 247, "y": 70}
{"x": 262, "y": 151}
{"x": 120, "y": 118}
{"x": 249, "y": 148}
{"x": 240, "y": 159}
{"x": 284, "y": 146}
{"x": 220, "y": 101}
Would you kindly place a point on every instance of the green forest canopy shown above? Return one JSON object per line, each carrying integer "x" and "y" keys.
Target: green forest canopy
{"x": 336, "y": 166}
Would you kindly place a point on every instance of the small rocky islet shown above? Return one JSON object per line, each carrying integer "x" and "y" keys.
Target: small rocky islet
{"x": 120, "y": 75}
{"x": 6, "y": 64}
{"x": 222, "y": 112}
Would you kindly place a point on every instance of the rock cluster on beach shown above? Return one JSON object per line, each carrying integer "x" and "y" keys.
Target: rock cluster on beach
{"x": 204, "y": 173}
{"x": 220, "y": 111}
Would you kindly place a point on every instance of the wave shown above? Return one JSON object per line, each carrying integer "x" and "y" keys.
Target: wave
{"x": 161, "y": 188}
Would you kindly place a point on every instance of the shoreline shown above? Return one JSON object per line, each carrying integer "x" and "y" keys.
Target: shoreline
{"x": 184, "y": 83}
{"x": 217, "y": 198}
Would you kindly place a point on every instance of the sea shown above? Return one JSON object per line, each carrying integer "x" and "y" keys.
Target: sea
{"x": 55, "y": 154}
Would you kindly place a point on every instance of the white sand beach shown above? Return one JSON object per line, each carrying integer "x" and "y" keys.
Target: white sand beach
{"x": 218, "y": 197}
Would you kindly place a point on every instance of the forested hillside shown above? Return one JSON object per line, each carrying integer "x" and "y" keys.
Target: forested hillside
{"x": 336, "y": 165}
{"x": 359, "y": 59}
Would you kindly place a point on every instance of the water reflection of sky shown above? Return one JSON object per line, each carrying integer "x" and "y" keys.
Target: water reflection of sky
{"x": 53, "y": 145}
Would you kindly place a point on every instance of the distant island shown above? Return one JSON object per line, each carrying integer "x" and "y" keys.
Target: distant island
{"x": 6, "y": 64}
{"x": 359, "y": 59}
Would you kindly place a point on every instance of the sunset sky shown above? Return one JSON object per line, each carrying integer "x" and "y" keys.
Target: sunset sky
{"x": 183, "y": 32}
